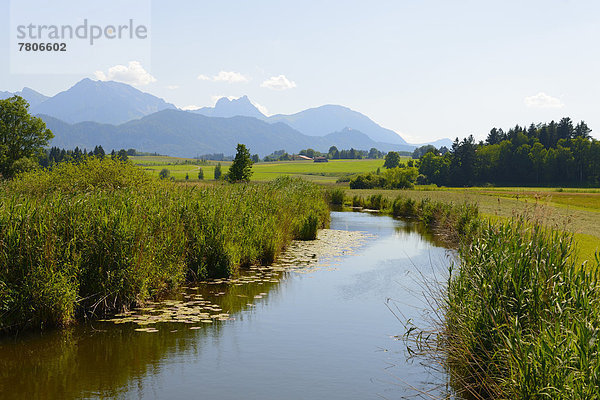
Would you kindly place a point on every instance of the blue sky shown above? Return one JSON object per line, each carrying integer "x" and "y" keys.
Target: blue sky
{"x": 427, "y": 69}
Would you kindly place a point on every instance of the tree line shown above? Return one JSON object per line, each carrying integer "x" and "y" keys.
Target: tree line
{"x": 554, "y": 153}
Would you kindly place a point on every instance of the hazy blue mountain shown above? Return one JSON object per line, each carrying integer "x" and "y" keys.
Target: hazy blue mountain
{"x": 232, "y": 108}
{"x": 351, "y": 138}
{"x": 438, "y": 143}
{"x": 323, "y": 120}
{"x": 185, "y": 134}
{"x": 179, "y": 133}
{"x": 103, "y": 102}
{"x": 33, "y": 98}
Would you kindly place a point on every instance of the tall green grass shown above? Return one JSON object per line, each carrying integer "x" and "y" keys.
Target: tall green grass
{"x": 522, "y": 318}
{"x": 96, "y": 237}
{"x": 519, "y": 318}
{"x": 449, "y": 220}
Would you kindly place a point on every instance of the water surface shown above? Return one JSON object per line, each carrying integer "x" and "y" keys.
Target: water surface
{"x": 316, "y": 333}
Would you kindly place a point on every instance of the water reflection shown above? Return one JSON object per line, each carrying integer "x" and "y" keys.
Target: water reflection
{"x": 288, "y": 334}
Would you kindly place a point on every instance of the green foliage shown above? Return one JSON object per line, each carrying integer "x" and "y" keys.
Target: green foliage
{"x": 101, "y": 235}
{"x": 218, "y": 172}
{"x": 164, "y": 173}
{"x": 394, "y": 178}
{"x": 200, "y": 174}
{"x": 336, "y": 196}
{"x": 521, "y": 318}
{"x": 400, "y": 178}
{"x": 241, "y": 168}
{"x": 308, "y": 229}
{"x": 392, "y": 159}
{"x": 547, "y": 154}
{"x": 367, "y": 181}
{"x": 22, "y": 136}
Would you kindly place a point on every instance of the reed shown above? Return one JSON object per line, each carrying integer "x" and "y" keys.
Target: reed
{"x": 519, "y": 318}
{"x": 99, "y": 236}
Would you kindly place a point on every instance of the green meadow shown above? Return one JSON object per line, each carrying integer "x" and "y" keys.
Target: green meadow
{"x": 324, "y": 173}
{"x": 575, "y": 210}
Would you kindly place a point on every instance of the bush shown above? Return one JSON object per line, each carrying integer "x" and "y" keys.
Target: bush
{"x": 366, "y": 181}
{"x": 164, "y": 173}
{"x": 421, "y": 180}
{"x": 394, "y": 178}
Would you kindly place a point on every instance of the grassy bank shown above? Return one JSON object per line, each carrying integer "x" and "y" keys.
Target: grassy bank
{"x": 498, "y": 204}
{"x": 521, "y": 317}
{"x": 101, "y": 235}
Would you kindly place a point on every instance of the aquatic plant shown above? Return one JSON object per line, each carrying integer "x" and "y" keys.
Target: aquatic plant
{"x": 101, "y": 235}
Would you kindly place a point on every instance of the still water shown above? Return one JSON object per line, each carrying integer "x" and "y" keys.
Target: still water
{"x": 322, "y": 332}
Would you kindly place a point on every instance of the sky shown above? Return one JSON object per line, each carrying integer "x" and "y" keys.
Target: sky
{"x": 426, "y": 69}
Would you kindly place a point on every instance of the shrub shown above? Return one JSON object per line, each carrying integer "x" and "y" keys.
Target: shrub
{"x": 164, "y": 173}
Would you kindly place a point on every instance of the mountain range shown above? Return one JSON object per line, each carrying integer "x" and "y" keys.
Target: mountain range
{"x": 116, "y": 115}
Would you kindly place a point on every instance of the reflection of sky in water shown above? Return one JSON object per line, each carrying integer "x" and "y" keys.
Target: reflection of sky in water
{"x": 322, "y": 335}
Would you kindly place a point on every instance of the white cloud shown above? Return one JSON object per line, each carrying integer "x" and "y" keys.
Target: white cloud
{"x": 132, "y": 74}
{"x": 230, "y": 76}
{"x": 225, "y": 76}
{"x": 172, "y": 87}
{"x": 542, "y": 100}
{"x": 278, "y": 83}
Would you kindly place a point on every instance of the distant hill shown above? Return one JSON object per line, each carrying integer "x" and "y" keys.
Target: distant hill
{"x": 103, "y": 102}
{"x": 351, "y": 138}
{"x": 225, "y": 107}
{"x": 116, "y": 115}
{"x": 33, "y": 98}
{"x": 438, "y": 143}
{"x": 185, "y": 134}
{"x": 323, "y": 120}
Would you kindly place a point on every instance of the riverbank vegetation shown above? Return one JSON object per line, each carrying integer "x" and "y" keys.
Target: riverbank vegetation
{"x": 97, "y": 236}
{"x": 520, "y": 316}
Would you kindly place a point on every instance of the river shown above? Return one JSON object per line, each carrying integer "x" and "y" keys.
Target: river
{"x": 320, "y": 329}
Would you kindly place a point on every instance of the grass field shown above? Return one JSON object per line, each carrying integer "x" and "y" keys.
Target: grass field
{"x": 325, "y": 173}
{"x": 576, "y": 210}
{"x": 581, "y": 217}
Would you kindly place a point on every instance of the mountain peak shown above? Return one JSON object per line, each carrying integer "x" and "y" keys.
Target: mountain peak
{"x": 101, "y": 101}
{"x": 226, "y": 107}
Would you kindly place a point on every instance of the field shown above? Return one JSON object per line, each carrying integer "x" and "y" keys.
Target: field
{"x": 324, "y": 173}
{"x": 575, "y": 210}
{"x": 576, "y": 213}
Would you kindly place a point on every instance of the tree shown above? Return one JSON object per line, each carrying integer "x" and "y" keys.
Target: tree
{"x": 241, "y": 168}
{"x": 164, "y": 173}
{"x": 187, "y": 177}
{"x": 122, "y": 155}
{"x": 392, "y": 159}
{"x": 374, "y": 153}
{"x": 255, "y": 158}
{"x": 22, "y": 136}
{"x": 218, "y": 172}
{"x": 200, "y": 174}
